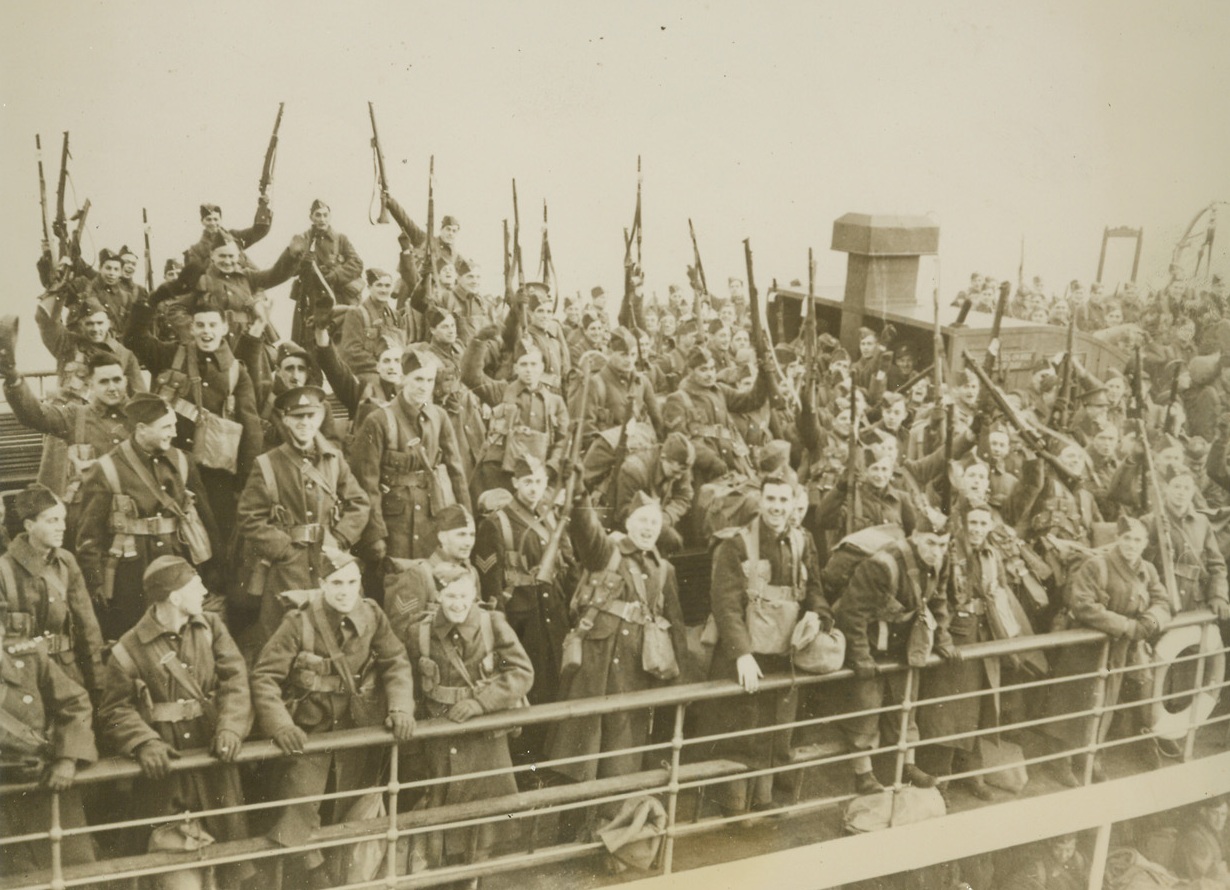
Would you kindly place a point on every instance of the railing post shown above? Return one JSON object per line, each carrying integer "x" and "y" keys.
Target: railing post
{"x": 55, "y": 835}
{"x": 1097, "y": 862}
{"x": 672, "y": 791}
{"x": 390, "y": 873}
{"x": 907, "y": 704}
{"x": 1189, "y": 746}
{"x": 1095, "y": 715}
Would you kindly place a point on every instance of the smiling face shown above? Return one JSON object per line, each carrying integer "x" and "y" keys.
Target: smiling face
{"x": 880, "y": 473}
{"x": 472, "y": 281}
{"x": 46, "y": 530}
{"x": 96, "y": 327}
{"x": 776, "y": 504}
{"x": 304, "y": 424}
{"x": 530, "y": 488}
{"x": 978, "y": 524}
{"x": 445, "y": 333}
{"x": 644, "y": 525}
{"x": 976, "y": 482}
{"x": 211, "y": 221}
{"x": 458, "y": 543}
{"x": 1131, "y": 543}
{"x": 705, "y": 375}
{"x": 108, "y": 385}
{"x": 225, "y": 257}
{"x": 382, "y": 288}
{"x": 448, "y": 234}
{"x": 1179, "y": 493}
{"x": 320, "y": 217}
{"x": 110, "y": 271}
{"x": 156, "y": 437}
{"x": 447, "y": 275}
{"x": 209, "y": 329}
{"x": 894, "y": 415}
{"x": 343, "y": 589}
{"x": 457, "y": 598}
{"x": 1116, "y": 389}
{"x": 418, "y": 385}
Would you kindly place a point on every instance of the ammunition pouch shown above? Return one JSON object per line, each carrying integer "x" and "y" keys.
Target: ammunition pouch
{"x": 448, "y": 695}
{"x": 149, "y": 525}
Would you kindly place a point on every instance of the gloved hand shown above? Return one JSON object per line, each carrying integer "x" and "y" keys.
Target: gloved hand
{"x": 402, "y": 725}
{"x": 8, "y": 348}
{"x": 490, "y": 332}
{"x": 378, "y": 550}
{"x": 749, "y": 672}
{"x": 464, "y": 710}
{"x": 60, "y": 774}
{"x": 864, "y": 668}
{"x": 948, "y": 652}
{"x": 226, "y": 745}
{"x": 291, "y": 740}
{"x": 1143, "y": 628}
{"x": 826, "y": 621}
{"x": 1221, "y": 608}
{"x": 154, "y": 758}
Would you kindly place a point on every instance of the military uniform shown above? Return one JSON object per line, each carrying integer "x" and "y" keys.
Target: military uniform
{"x": 1199, "y": 566}
{"x": 754, "y": 562}
{"x": 296, "y": 682}
{"x": 468, "y": 661}
{"x": 406, "y": 459}
{"x": 887, "y": 595}
{"x": 643, "y": 472}
{"x": 44, "y": 597}
{"x": 198, "y": 254}
{"x": 125, "y": 526}
{"x": 523, "y": 421}
{"x": 362, "y": 329}
{"x": 295, "y": 503}
{"x": 609, "y": 395}
{"x": 472, "y": 312}
{"x": 412, "y": 588}
{"x": 341, "y": 268}
{"x": 83, "y": 431}
{"x": 117, "y": 299}
{"x": 181, "y": 687}
{"x": 702, "y": 414}
{"x": 626, "y": 588}
{"x": 69, "y": 349}
{"x": 46, "y": 717}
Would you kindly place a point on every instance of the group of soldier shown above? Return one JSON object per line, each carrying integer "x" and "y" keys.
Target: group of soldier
{"x": 485, "y": 512}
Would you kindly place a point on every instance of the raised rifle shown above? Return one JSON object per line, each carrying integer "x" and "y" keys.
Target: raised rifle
{"x": 429, "y": 250}
{"x": 617, "y": 465}
{"x": 569, "y": 469}
{"x": 1032, "y": 439}
{"x": 937, "y": 366}
{"x": 636, "y": 217}
{"x": 60, "y": 225}
{"x": 1168, "y": 422}
{"x": 1152, "y": 490}
{"x": 991, "y": 359}
{"x": 852, "y": 492}
{"x": 508, "y": 266}
{"x": 549, "y": 277}
{"x": 810, "y": 333}
{"x": 700, "y": 287}
{"x": 42, "y": 196}
{"x": 517, "y": 240}
{"x": 753, "y": 300}
{"x": 1059, "y": 410}
{"x": 271, "y": 154}
{"x": 382, "y": 179}
{"x": 149, "y": 258}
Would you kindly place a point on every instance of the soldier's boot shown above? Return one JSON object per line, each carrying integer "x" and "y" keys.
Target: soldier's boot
{"x": 867, "y": 783}
{"x": 1064, "y": 773}
{"x": 917, "y": 777}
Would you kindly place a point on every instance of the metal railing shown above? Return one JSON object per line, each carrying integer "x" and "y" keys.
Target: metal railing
{"x": 670, "y": 773}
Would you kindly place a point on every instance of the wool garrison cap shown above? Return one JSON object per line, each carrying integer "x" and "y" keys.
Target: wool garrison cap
{"x": 145, "y": 407}
{"x": 453, "y": 517}
{"x": 301, "y": 400}
{"x": 31, "y": 502}
{"x": 207, "y": 209}
{"x": 290, "y": 349}
{"x": 164, "y": 576}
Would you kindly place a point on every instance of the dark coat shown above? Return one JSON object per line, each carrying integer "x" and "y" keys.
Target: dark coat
{"x": 69, "y": 348}
{"x": 205, "y": 646}
{"x": 703, "y": 415}
{"x": 609, "y": 395}
{"x": 96, "y": 538}
{"x": 612, "y": 649}
{"x": 51, "y": 601}
{"x": 503, "y": 676}
{"x": 362, "y": 328}
{"x": 266, "y": 522}
{"x": 1199, "y": 566}
{"x": 398, "y": 481}
{"x": 1108, "y": 595}
{"x": 538, "y": 613}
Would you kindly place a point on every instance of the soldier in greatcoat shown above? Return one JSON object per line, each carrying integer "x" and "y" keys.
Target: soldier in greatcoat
{"x": 45, "y": 736}
{"x": 407, "y": 460}
{"x": 527, "y": 416}
{"x": 700, "y": 409}
{"x": 136, "y": 503}
{"x": 300, "y": 499}
{"x": 176, "y": 682}
{"x": 334, "y": 664}
{"x": 1199, "y": 566}
{"x": 629, "y": 587}
{"x": 364, "y": 324}
{"x": 339, "y": 264}
{"x": 617, "y": 393}
{"x": 1117, "y": 592}
{"x": 511, "y": 542}
{"x": 530, "y": 319}
{"x": 469, "y": 662}
{"x": 412, "y": 586}
{"x": 892, "y": 598}
{"x": 211, "y": 223}
{"x": 199, "y": 378}
{"x": 42, "y": 591}
{"x": 765, "y": 561}
{"x": 76, "y": 433}
{"x": 89, "y": 329}
{"x": 663, "y": 472}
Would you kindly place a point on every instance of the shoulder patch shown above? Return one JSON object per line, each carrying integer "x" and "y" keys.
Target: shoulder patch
{"x": 486, "y": 563}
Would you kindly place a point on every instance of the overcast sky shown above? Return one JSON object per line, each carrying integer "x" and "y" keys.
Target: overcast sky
{"x": 768, "y": 120}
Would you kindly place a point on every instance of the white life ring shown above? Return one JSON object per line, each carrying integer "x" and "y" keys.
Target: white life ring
{"x": 1174, "y": 725}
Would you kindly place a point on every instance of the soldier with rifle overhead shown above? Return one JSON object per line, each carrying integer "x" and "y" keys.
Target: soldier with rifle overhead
{"x": 87, "y": 329}
{"x": 329, "y": 270}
